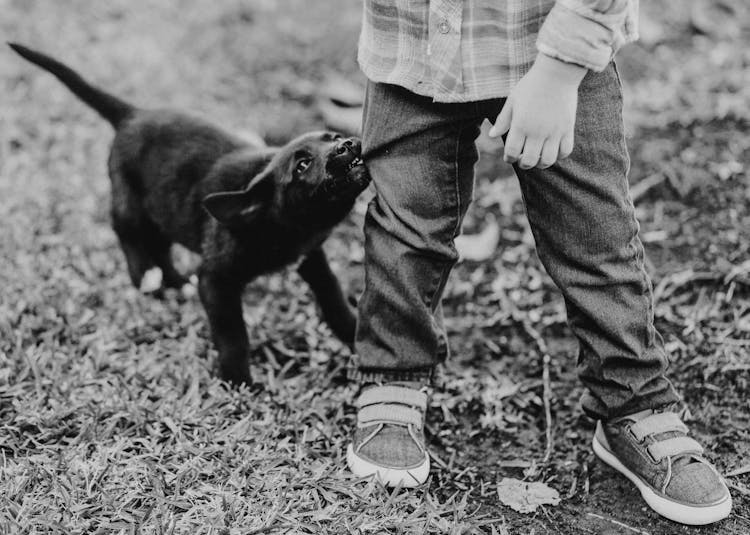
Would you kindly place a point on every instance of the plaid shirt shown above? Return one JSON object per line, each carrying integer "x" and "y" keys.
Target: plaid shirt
{"x": 469, "y": 50}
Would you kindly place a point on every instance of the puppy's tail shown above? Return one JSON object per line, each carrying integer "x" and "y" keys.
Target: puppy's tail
{"x": 108, "y": 106}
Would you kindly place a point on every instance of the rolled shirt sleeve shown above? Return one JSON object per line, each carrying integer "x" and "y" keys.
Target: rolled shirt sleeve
{"x": 588, "y": 32}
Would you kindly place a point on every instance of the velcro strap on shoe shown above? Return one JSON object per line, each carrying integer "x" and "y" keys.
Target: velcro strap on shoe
{"x": 391, "y": 413}
{"x": 392, "y": 394}
{"x": 673, "y": 447}
{"x": 655, "y": 424}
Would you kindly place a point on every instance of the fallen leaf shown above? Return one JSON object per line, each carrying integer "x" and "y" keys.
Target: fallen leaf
{"x": 479, "y": 247}
{"x": 526, "y": 497}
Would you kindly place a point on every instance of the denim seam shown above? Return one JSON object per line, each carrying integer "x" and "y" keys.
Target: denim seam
{"x": 638, "y": 258}
{"x": 457, "y": 179}
{"x": 457, "y": 191}
{"x": 442, "y": 349}
{"x": 639, "y": 254}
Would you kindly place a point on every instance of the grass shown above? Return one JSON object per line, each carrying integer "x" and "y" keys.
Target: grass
{"x": 110, "y": 418}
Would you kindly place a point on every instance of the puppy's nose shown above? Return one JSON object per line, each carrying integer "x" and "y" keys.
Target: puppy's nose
{"x": 348, "y": 145}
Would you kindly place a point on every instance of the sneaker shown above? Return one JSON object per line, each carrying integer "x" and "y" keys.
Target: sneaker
{"x": 389, "y": 440}
{"x": 653, "y": 451}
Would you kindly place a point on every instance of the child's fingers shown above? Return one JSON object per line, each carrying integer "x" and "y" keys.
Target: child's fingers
{"x": 502, "y": 123}
{"x": 566, "y": 146}
{"x": 513, "y": 146}
{"x": 532, "y": 148}
{"x": 549, "y": 153}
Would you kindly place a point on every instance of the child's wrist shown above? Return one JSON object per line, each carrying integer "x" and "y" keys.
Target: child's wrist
{"x": 560, "y": 71}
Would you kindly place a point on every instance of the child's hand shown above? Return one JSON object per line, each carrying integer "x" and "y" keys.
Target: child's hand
{"x": 540, "y": 114}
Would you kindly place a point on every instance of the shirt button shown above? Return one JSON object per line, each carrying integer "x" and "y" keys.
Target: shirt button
{"x": 443, "y": 26}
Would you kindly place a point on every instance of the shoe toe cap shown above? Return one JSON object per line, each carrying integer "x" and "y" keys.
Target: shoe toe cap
{"x": 393, "y": 446}
{"x": 696, "y": 483}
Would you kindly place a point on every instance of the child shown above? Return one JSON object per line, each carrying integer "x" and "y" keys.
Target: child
{"x": 542, "y": 72}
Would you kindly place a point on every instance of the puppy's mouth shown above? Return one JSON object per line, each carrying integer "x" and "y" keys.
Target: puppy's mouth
{"x": 347, "y": 174}
{"x": 356, "y": 162}
{"x": 346, "y": 180}
{"x": 357, "y": 177}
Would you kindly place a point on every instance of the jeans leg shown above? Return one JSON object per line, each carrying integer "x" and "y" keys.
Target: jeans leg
{"x": 586, "y": 234}
{"x": 421, "y": 157}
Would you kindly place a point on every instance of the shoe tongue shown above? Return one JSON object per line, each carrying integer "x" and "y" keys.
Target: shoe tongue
{"x": 683, "y": 460}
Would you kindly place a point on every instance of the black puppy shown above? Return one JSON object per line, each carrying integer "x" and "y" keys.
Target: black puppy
{"x": 246, "y": 209}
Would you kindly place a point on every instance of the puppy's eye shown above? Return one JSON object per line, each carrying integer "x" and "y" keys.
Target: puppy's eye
{"x": 302, "y": 166}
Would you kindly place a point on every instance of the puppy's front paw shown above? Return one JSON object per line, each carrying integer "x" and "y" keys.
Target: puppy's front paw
{"x": 151, "y": 281}
{"x": 236, "y": 375}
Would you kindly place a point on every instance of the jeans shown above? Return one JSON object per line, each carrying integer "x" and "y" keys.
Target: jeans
{"x": 421, "y": 157}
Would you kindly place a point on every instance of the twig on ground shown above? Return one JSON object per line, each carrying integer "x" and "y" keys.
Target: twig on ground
{"x": 742, "y": 489}
{"x": 739, "y": 471}
{"x": 573, "y": 487}
{"x": 730, "y": 341}
{"x": 438, "y": 460}
{"x": 547, "y": 410}
{"x": 587, "y": 481}
{"x": 514, "y": 463}
{"x": 618, "y": 523}
{"x": 644, "y": 186}
{"x": 547, "y": 393}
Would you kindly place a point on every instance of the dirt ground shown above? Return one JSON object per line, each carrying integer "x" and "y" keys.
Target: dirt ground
{"x": 110, "y": 418}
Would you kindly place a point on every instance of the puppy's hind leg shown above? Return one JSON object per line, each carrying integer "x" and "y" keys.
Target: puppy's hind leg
{"x": 136, "y": 255}
{"x": 148, "y": 256}
{"x": 159, "y": 248}
{"x": 128, "y": 222}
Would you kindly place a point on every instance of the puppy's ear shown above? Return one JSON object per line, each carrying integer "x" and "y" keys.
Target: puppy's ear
{"x": 240, "y": 207}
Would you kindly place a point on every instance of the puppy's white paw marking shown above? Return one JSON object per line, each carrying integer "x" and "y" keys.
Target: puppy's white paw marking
{"x": 151, "y": 280}
{"x": 188, "y": 290}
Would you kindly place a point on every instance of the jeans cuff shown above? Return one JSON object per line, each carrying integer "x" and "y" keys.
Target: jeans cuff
{"x": 596, "y": 410}
{"x": 427, "y": 376}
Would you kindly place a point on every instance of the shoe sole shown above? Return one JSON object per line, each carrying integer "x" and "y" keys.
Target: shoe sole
{"x": 390, "y": 477}
{"x": 676, "y": 511}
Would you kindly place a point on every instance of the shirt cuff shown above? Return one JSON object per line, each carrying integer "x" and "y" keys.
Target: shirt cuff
{"x": 589, "y": 40}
